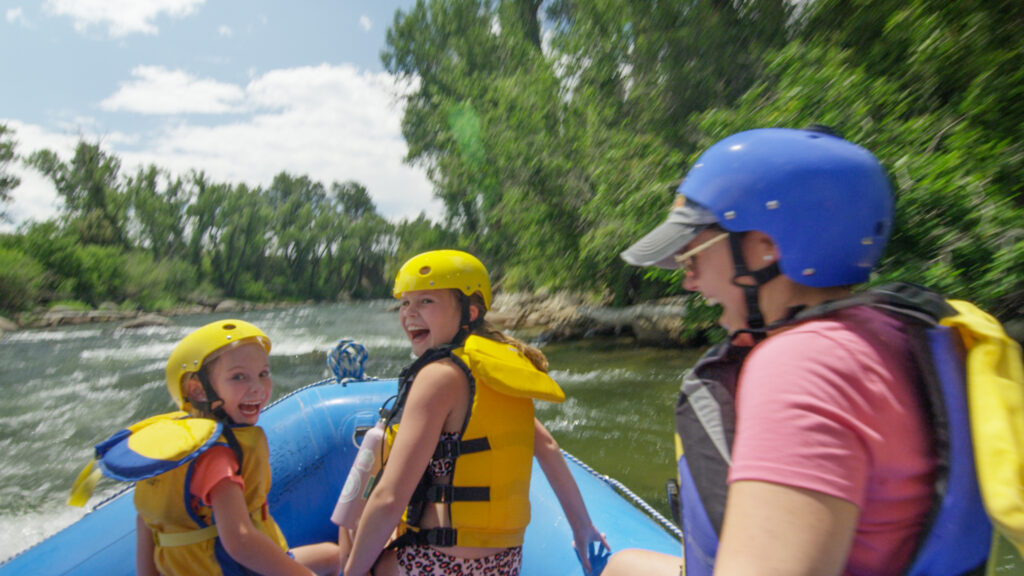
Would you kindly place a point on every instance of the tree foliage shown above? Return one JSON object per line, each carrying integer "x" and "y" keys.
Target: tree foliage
{"x": 554, "y": 133}
{"x": 154, "y": 240}
{"x": 566, "y": 150}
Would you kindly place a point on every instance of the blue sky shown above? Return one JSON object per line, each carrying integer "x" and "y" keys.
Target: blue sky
{"x": 241, "y": 89}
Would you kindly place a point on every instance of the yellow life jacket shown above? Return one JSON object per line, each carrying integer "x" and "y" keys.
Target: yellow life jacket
{"x": 489, "y": 493}
{"x": 183, "y": 528}
{"x": 158, "y": 454}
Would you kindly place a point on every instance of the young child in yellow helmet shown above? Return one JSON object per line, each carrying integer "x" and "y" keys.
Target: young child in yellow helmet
{"x": 457, "y": 469}
{"x": 202, "y": 474}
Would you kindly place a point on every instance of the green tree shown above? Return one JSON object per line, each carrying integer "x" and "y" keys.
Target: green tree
{"x": 157, "y": 212}
{"x": 356, "y": 255}
{"x": 94, "y": 202}
{"x": 22, "y": 280}
{"x": 8, "y": 181}
{"x": 238, "y": 255}
{"x": 296, "y": 202}
{"x": 203, "y": 213}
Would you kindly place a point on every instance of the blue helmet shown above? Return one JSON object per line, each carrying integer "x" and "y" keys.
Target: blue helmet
{"x": 827, "y": 203}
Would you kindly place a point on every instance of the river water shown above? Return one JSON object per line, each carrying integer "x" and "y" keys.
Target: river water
{"x": 62, "y": 390}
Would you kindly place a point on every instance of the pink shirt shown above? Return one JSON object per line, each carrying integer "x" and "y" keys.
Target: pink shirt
{"x": 216, "y": 464}
{"x": 830, "y": 405}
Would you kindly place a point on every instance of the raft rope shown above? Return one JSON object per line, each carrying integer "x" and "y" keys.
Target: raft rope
{"x": 347, "y": 362}
{"x": 630, "y": 495}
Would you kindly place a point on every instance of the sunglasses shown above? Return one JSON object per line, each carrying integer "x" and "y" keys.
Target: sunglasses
{"x": 686, "y": 259}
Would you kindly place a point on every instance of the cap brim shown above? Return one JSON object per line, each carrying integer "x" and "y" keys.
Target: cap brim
{"x": 659, "y": 246}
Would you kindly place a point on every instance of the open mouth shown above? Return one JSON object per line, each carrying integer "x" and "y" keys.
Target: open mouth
{"x": 250, "y": 408}
{"x": 418, "y": 335}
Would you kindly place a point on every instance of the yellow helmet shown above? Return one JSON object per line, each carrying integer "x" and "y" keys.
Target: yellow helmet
{"x": 195, "y": 349}
{"x": 444, "y": 269}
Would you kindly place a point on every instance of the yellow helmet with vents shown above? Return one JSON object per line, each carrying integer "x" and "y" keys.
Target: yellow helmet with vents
{"x": 200, "y": 347}
{"x": 441, "y": 269}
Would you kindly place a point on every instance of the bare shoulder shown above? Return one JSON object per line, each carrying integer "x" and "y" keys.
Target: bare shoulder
{"x": 440, "y": 381}
{"x": 442, "y": 373}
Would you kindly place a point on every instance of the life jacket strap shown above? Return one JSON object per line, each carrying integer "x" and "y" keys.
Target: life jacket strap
{"x": 176, "y": 539}
{"x": 442, "y": 493}
{"x": 441, "y": 537}
{"x": 452, "y": 450}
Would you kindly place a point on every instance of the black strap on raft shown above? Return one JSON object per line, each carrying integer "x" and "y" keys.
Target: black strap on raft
{"x": 755, "y": 319}
{"x": 215, "y": 406}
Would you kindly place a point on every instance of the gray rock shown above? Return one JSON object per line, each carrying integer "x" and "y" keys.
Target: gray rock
{"x": 146, "y": 320}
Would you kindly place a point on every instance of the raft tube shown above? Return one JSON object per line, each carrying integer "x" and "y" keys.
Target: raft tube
{"x": 312, "y": 435}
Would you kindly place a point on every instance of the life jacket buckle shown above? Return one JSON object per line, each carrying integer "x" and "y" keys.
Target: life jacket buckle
{"x": 443, "y": 537}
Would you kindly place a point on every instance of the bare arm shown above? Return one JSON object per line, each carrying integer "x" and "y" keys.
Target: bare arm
{"x": 243, "y": 541}
{"x": 438, "y": 389}
{"x": 549, "y": 456}
{"x": 344, "y": 544}
{"x": 771, "y": 529}
{"x": 144, "y": 565}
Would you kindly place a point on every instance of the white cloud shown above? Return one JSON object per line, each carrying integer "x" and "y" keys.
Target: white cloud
{"x": 332, "y": 123}
{"x": 225, "y": 31}
{"x": 157, "y": 90}
{"x": 121, "y": 17}
{"x": 17, "y": 16}
{"x": 365, "y": 23}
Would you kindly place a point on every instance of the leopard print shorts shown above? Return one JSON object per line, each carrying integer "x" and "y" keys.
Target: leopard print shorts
{"x": 429, "y": 561}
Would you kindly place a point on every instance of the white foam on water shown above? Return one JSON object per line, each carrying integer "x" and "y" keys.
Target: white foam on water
{"x": 44, "y": 335}
{"x": 570, "y": 376}
{"x": 24, "y": 531}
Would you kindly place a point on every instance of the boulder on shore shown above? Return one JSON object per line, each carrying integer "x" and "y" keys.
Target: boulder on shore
{"x": 7, "y": 325}
{"x": 146, "y": 320}
{"x": 564, "y": 316}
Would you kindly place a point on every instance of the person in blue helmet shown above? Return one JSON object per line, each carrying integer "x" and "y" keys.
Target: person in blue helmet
{"x": 805, "y": 448}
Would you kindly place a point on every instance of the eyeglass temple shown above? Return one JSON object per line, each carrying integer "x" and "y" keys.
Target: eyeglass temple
{"x": 682, "y": 258}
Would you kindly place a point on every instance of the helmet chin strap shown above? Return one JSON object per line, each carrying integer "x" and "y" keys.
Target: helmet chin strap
{"x": 755, "y": 319}
{"x": 215, "y": 406}
{"x": 466, "y": 325}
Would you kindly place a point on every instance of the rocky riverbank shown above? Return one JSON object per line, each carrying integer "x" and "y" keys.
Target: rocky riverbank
{"x": 546, "y": 316}
{"x": 68, "y": 316}
{"x": 550, "y": 317}
{"x": 563, "y": 316}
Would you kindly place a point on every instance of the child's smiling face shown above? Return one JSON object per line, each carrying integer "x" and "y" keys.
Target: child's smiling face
{"x": 430, "y": 318}
{"x": 241, "y": 377}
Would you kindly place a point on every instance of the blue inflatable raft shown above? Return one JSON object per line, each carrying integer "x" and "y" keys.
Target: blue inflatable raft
{"x": 312, "y": 434}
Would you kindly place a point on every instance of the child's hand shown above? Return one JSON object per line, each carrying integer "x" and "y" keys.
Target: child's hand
{"x": 595, "y": 548}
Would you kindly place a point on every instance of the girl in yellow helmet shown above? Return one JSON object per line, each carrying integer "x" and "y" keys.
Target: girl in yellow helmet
{"x": 457, "y": 472}
{"x": 202, "y": 474}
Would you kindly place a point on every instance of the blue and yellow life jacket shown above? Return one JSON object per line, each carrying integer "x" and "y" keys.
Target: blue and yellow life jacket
{"x": 159, "y": 454}
{"x": 488, "y": 496}
{"x": 960, "y": 532}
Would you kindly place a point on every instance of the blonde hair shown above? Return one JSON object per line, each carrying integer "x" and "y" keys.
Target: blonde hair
{"x": 483, "y": 328}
